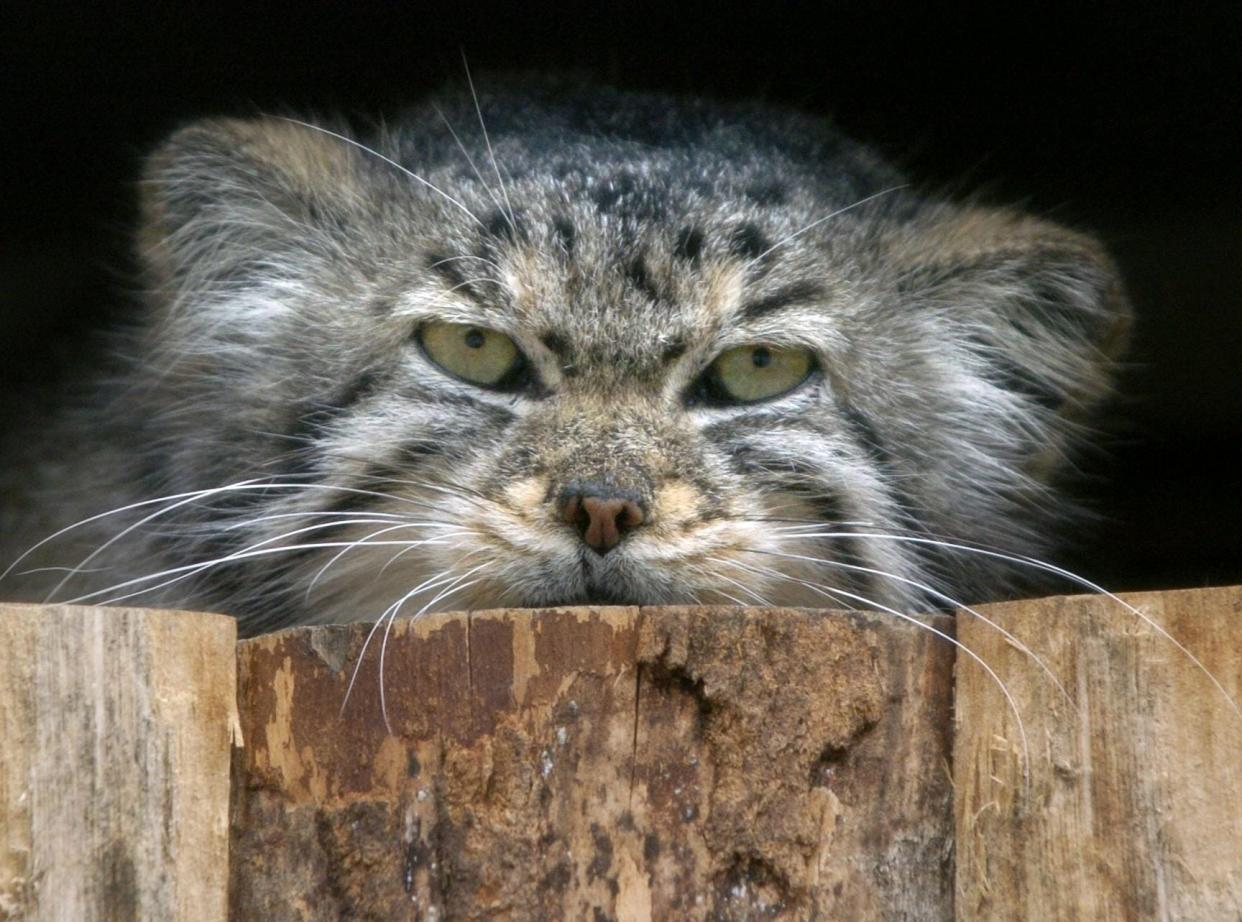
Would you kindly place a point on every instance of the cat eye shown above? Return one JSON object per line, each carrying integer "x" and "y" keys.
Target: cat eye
{"x": 474, "y": 354}
{"x": 749, "y": 374}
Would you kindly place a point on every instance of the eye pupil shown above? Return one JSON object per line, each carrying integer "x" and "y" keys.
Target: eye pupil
{"x": 475, "y": 338}
{"x": 761, "y": 358}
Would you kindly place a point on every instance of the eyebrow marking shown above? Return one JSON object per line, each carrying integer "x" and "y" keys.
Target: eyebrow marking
{"x": 789, "y": 295}
{"x": 748, "y": 242}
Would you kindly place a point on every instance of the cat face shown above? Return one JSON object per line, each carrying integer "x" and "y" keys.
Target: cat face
{"x": 622, "y": 349}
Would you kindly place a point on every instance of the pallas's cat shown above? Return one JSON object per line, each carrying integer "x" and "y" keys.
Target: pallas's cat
{"x": 576, "y": 345}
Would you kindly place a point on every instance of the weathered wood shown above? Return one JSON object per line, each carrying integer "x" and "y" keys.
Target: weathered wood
{"x": 115, "y": 728}
{"x": 625, "y": 764}
{"x": 1134, "y": 809}
{"x": 597, "y": 764}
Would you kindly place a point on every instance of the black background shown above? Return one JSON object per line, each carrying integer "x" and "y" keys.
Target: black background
{"x": 1125, "y": 122}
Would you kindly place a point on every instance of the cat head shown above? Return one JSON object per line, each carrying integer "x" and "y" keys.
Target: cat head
{"x": 619, "y": 348}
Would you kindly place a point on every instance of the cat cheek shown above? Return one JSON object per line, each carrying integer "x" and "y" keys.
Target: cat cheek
{"x": 676, "y": 503}
{"x": 526, "y": 495}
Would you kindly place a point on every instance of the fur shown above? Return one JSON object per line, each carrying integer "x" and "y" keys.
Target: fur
{"x": 623, "y": 241}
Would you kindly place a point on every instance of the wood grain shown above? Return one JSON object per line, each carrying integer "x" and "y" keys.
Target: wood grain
{"x": 615, "y": 763}
{"x": 1134, "y": 806}
{"x": 116, "y": 727}
{"x": 625, "y": 763}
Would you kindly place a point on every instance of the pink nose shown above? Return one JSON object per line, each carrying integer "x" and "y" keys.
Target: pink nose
{"x": 601, "y": 520}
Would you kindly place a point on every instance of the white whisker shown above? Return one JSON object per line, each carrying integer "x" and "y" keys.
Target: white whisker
{"x": 828, "y": 217}
{"x": 488, "y": 141}
{"x": 921, "y": 625}
{"x": 374, "y": 153}
{"x": 932, "y": 591}
{"x": 451, "y": 589}
{"x": 1064, "y": 574}
{"x": 259, "y": 549}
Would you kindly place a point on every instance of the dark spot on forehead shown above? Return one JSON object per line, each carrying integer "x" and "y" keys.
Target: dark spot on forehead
{"x": 748, "y": 242}
{"x": 382, "y": 305}
{"x": 640, "y": 277}
{"x": 502, "y": 225}
{"x": 689, "y": 245}
{"x": 565, "y": 234}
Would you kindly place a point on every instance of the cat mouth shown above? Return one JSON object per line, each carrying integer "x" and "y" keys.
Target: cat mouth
{"x": 599, "y": 595}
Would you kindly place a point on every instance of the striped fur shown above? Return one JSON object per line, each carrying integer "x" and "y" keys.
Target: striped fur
{"x": 623, "y": 241}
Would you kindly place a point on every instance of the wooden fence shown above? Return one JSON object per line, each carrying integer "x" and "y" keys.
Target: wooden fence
{"x": 1067, "y": 761}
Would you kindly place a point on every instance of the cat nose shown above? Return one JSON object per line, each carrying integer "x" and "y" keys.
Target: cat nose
{"x": 600, "y": 515}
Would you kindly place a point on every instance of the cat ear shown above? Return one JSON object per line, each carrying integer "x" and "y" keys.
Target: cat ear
{"x": 1035, "y": 307}
{"x": 222, "y": 187}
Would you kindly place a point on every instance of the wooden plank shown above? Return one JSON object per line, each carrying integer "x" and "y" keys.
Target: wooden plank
{"x": 1134, "y": 810}
{"x": 116, "y": 727}
{"x": 597, "y": 764}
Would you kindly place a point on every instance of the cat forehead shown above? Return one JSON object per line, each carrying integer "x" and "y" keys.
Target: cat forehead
{"x": 640, "y": 225}
{"x": 583, "y": 281}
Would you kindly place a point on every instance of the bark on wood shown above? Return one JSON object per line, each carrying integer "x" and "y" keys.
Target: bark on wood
{"x": 115, "y": 728}
{"x": 1134, "y": 809}
{"x": 597, "y": 764}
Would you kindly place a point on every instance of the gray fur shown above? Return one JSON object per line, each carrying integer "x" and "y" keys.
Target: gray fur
{"x": 623, "y": 241}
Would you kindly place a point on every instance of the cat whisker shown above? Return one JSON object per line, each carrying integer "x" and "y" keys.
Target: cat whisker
{"x": 935, "y": 593}
{"x": 182, "y": 500}
{"x": 816, "y": 223}
{"x": 53, "y": 569}
{"x": 430, "y": 582}
{"x": 795, "y": 526}
{"x": 470, "y": 160}
{"x": 258, "y": 549}
{"x": 833, "y": 592}
{"x": 1044, "y": 566}
{"x": 451, "y": 589}
{"x": 473, "y": 257}
{"x": 278, "y": 516}
{"x": 746, "y": 589}
{"x": 390, "y": 613}
{"x": 401, "y": 553}
{"x": 488, "y": 141}
{"x": 362, "y": 542}
{"x": 393, "y": 163}
{"x": 119, "y": 510}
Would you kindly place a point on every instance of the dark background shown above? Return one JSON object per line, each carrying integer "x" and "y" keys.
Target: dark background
{"x": 1125, "y": 122}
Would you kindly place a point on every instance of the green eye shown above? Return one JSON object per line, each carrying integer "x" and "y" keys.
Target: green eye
{"x": 749, "y": 374}
{"x": 474, "y": 354}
